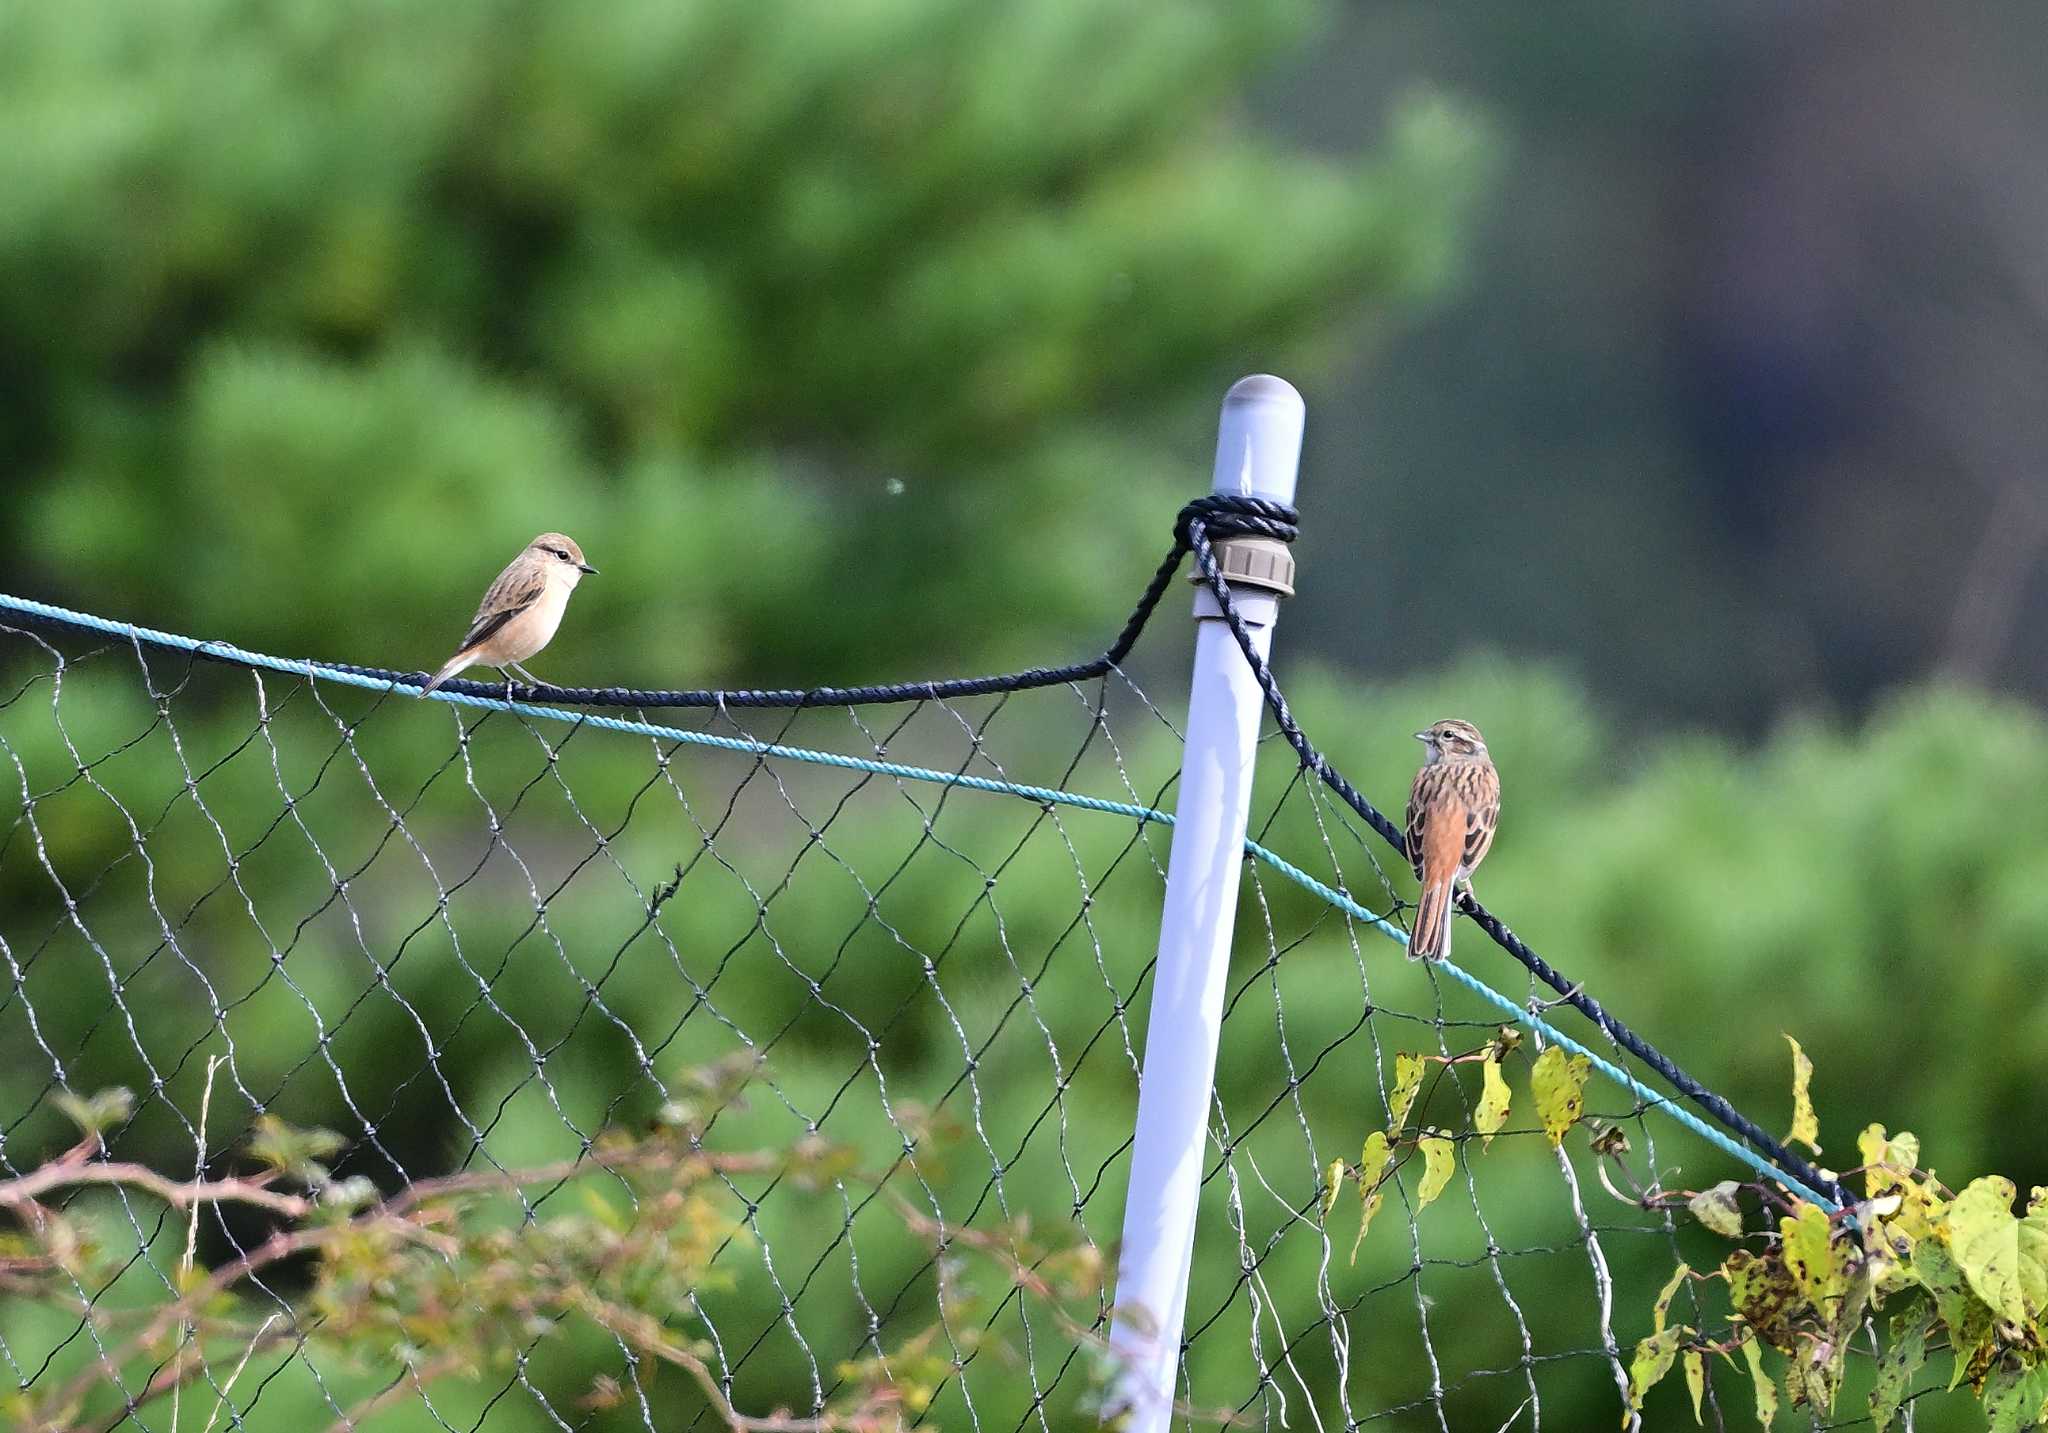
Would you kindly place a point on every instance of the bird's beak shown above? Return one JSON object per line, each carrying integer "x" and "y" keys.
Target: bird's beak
{"x": 586, "y": 567}
{"x": 1422, "y": 736}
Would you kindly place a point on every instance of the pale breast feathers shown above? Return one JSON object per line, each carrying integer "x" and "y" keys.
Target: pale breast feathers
{"x": 518, "y": 587}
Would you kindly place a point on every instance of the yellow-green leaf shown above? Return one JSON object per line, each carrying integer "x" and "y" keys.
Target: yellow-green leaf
{"x": 1762, "y": 1292}
{"x": 1493, "y": 1101}
{"x": 1887, "y": 1160}
{"x": 2014, "y": 1398}
{"x": 1903, "y": 1151}
{"x": 1696, "y": 1382}
{"x": 1407, "y": 1080}
{"x": 1559, "y": 1083}
{"x": 1813, "y": 1382}
{"x": 1716, "y": 1208}
{"x": 1372, "y": 1160}
{"x": 1890, "y": 1171}
{"x": 1439, "y": 1158}
{"x": 99, "y": 1112}
{"x": 1972, "y": 1328}
{"x": 1372, "y": 1172}
{"x": 1883, "y": 1248}
{"x": 1370, "y": 1206}
{"x": 1662, "y": 1308}
{"x": 1810, "y": 1254}
{"x": 2005, "y": 1259}
{"x": 1653, "y": 1360}
{"x": 1903, "y": 1356}
{"x": 1831, "y": 1354}
{"x": 1333, "y": 1184}
{"x": 1920, "y": 1207}
{"x": 1936, "y": 1270}
{"x": 1766, "y": 1391}
{"x": 1805, "y": 1124}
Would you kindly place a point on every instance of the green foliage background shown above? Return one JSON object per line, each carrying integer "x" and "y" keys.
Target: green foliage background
{"x": 864, "y": 340}
{"x": 662, "y": 275}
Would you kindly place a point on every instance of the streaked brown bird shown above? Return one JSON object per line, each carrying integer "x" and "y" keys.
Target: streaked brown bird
{"x": 1452, "y": 811}
{"x": 522, "y": 609}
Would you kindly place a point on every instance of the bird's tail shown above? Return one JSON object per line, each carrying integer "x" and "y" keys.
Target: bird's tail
{"x": 459, "y": 662}
{"x": 1431, "y": 939}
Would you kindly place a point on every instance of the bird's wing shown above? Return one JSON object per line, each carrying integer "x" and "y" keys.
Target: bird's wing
{"x": 1480, "y": 790}
{"x": 1479, "y": 826}
{"x": 518, "y": 587}
{"x": 1418, "y": 799}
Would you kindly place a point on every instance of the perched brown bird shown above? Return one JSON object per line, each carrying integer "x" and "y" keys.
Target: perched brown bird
{"x": 522, "y": 609}
{"x": 1452, "y": 811}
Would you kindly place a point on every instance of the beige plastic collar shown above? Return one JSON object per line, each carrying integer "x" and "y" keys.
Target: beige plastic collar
{"x": 1261, "y": 562}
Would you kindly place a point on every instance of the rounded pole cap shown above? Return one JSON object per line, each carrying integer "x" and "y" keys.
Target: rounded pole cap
{"x": 1258, "y": 440}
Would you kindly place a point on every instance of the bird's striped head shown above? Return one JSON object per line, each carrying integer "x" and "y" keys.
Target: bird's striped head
{"x": 1452, "y": 739}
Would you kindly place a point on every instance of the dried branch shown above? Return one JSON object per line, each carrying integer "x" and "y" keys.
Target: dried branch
{"x": 28, "y": 1188}
{"x": 401, "y": 1214}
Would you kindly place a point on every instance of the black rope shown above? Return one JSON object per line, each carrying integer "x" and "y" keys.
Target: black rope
{"x": 1198, "y": 527}
{"x": 1192, "y": 532}
{"x": 1223, "y": 517}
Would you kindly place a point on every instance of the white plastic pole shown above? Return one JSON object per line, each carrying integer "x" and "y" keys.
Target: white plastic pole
{"x": 1258, "y": 448}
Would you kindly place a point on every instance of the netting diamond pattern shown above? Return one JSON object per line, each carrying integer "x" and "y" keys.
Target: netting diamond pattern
{"x": 475, "y": 942}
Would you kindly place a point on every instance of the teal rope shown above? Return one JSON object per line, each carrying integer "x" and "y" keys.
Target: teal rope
{"x": 1649, "y": 1097}
{"x": 745, "y": 745}
{"x": 1043, "y": 795}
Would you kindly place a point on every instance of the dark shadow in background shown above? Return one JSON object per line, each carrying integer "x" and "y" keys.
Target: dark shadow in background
{"x": 1740, "y": 405}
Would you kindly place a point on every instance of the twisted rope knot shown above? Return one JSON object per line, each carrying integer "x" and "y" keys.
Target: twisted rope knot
{"x": 1225, "y": 515}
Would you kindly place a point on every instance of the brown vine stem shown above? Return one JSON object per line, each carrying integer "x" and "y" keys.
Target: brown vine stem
{"x": 400, "y": 1212}
{"x": 281, "y": 1245}
{"x": 28, "y": 1188}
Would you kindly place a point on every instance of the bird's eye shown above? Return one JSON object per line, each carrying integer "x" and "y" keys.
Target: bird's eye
{"x": 561, "y": 554}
